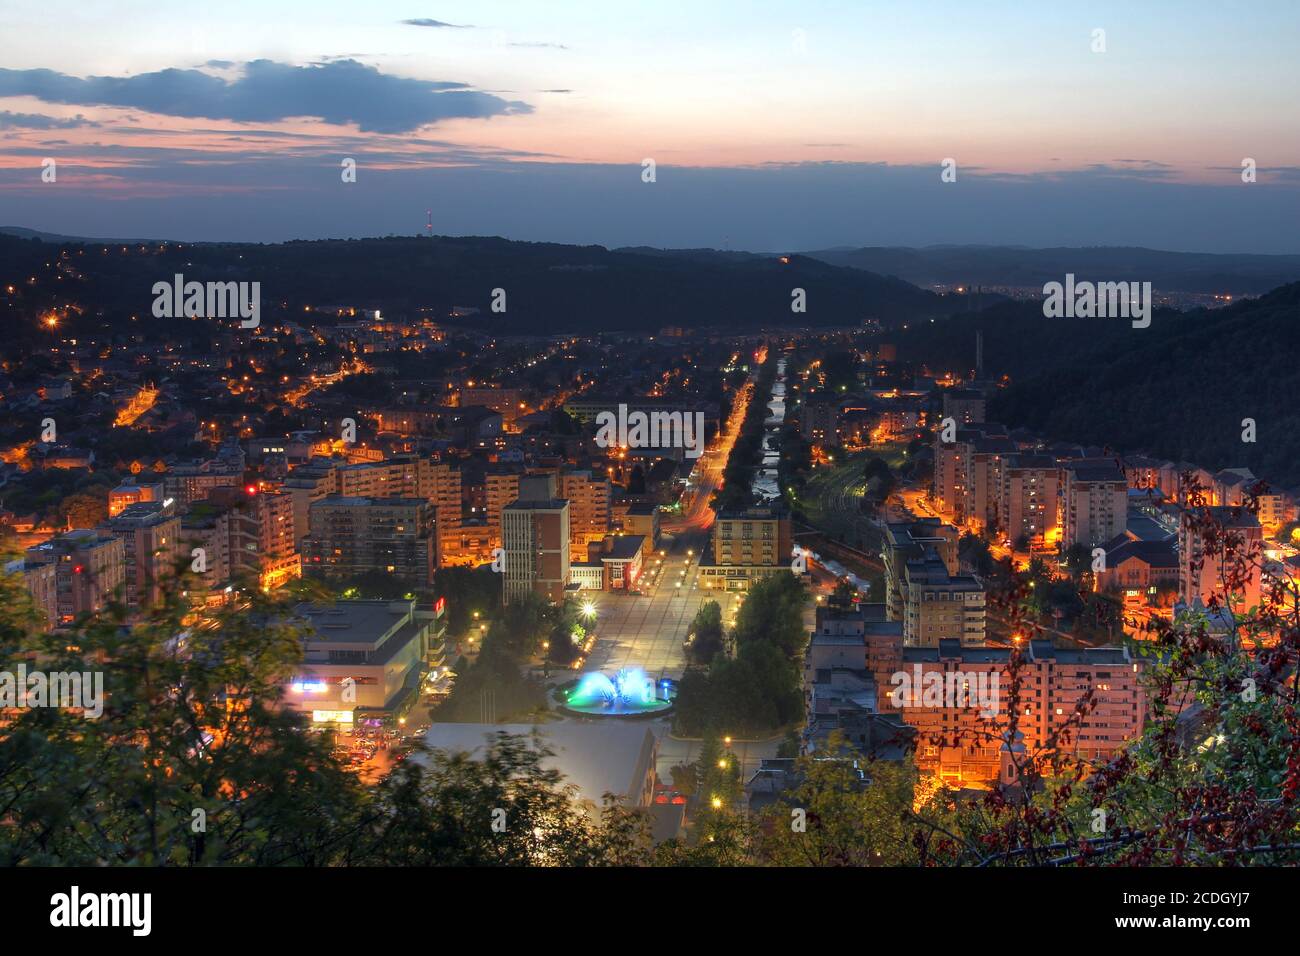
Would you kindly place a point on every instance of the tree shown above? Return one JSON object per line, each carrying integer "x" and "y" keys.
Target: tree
{"x": 846, "y": 811}
{"x": 707, "y": 634}
{"x": 191, "y": 760}
{"x": 84, "y": 509}
{"x": 504, "y": 809}
{"x": 773, "y": 611}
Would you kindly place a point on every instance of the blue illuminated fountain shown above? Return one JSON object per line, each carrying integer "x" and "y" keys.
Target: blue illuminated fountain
{"x": 630, "y": 693}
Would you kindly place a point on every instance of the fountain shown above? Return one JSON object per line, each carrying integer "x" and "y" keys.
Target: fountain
{"x": 630, "y": 693}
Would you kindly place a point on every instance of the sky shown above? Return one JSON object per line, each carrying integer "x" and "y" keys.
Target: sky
{"x": 773, "y": 126}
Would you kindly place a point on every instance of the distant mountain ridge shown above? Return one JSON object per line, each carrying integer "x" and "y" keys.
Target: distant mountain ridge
{"x": 1189, "y": 272}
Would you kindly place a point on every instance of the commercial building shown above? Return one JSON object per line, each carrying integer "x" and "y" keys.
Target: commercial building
{"x": 620, "y": 559}
{"x": 748, "y": 545}
{"x": 363, "y": 660}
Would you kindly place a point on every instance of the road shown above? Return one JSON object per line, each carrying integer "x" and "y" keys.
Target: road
{"x": 707, "y": 477}
{"x": 647, "y": 630}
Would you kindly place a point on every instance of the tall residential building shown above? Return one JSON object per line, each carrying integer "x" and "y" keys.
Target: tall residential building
{"x": 151, "y": 539}
{"x": 535, "y": 539}
{"x": 42, "y": 583}
{"x": 307, "y": 484}
{"x": 985, "y": 462}
{"x": 1202, "y": 575}
{"x": 961, "y": 744}
{"x": 952, "y": 470}
{"x": 445, "y": 492}
{"x": 963, "y": 405}
{"x": 205, "y": 540}
{"x": 90, "y": 568}
{"x": 1235, "y": 486}
{"x": 907, "y": 541}
{"x": 197, "y": 480}
{"x": 962, "y": 747}
{"x": 351, "y": 536}
{"x": 938, "y": 605}
{"x": 406, "y": 476}
{"x": 500, "y": 488}
{"x": 588, "y": 495}
{"x": 1029, "y": 497}
{"x": 1094, "y": 501}
{"x": 748, "y": 545}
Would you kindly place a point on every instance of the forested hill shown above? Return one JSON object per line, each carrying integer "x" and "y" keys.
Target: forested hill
{"x": 1179, "y": 389}
{"x": 549, "y": 287}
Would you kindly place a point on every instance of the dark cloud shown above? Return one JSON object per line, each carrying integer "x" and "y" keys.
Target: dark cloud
{"x": 437, "y": 24}
{"x": 339, "y": 92}
{"x": 39, "y": 121}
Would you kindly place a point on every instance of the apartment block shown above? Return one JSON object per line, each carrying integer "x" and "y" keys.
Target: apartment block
{"x": 445, "y": 492}
{"x": 986, "y": 460}
{"x": 588, "y": 495}
{"x": 967, "y": 746}
{"x": 535, "y": 539}
{"x": 1094, "y": 501}
{"x": 908, "y": 541}
{"x": 1202, "y": 575}
{"x": 939, "y": 605}
{"x": 90, "y": 568}
{"x": 41, "y": 581}
{"x": 1029, "y": 499}
{"x": 964, "y": 405}
{"x": 351, "y": 536}
{"x": 151, "y": 540}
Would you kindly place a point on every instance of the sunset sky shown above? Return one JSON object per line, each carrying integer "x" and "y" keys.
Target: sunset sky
{"x": 774, "y": 125}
